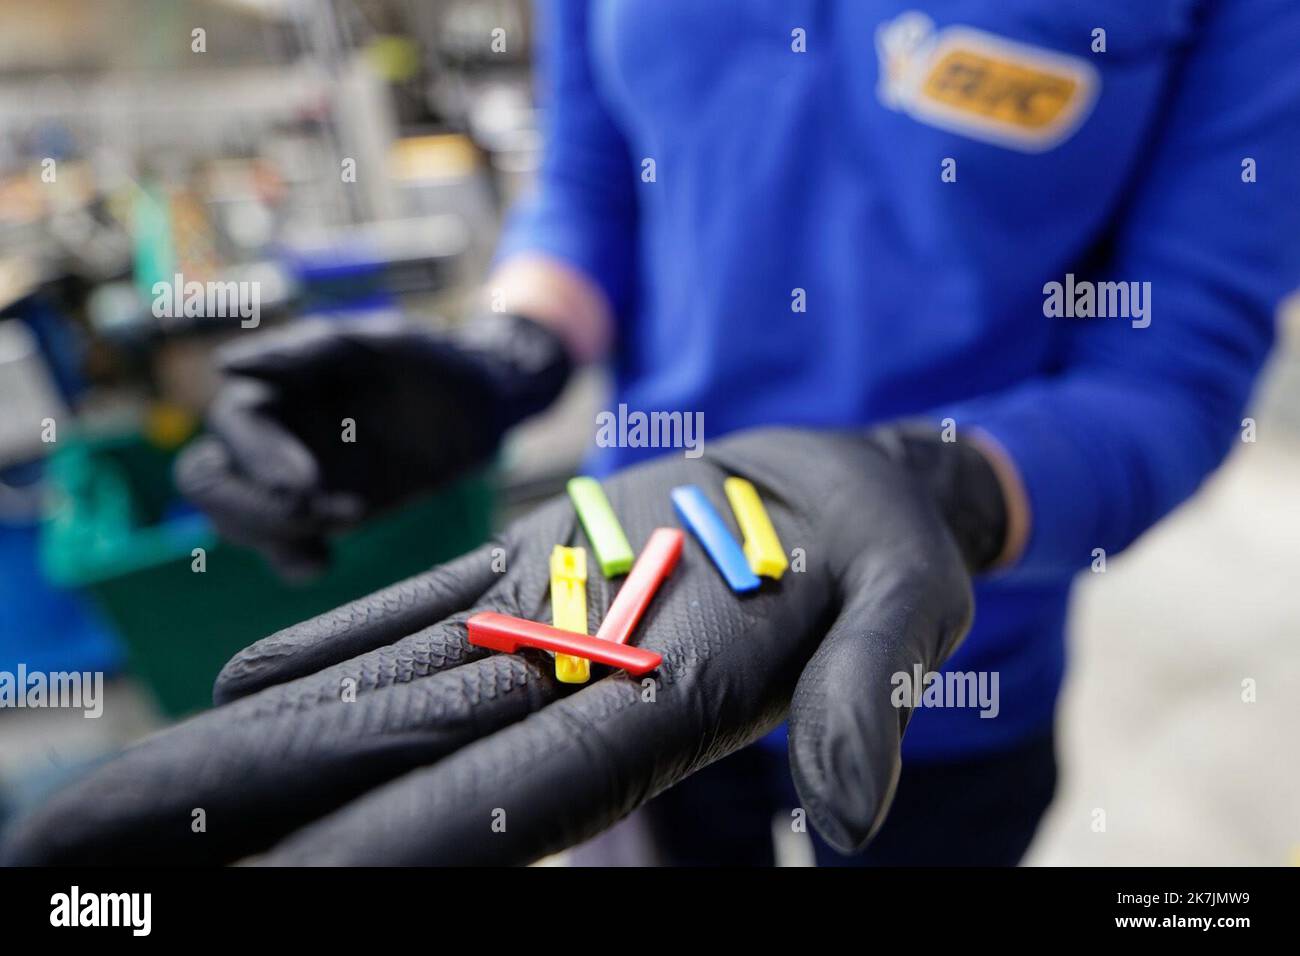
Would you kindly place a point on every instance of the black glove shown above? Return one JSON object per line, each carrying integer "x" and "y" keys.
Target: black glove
{"x": 277, "y": 473}
{"x": 444, "y": 740}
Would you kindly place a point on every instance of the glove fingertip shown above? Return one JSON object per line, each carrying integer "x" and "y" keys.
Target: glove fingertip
{"x": 287, "y": 351}
{"x": 846, "y": 797}
{"x": 844, "y": 740}
{"x": 258, "y": 666}
{"x": 359, "y": 626}
{"x": 254, "y": 358}
{"x": 239, "y": 677}
{"x": 199, "y": 465}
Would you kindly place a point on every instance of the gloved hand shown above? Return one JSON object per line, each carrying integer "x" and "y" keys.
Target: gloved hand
{"x": 277, "y": 474}
{"x": 376, "y": 734}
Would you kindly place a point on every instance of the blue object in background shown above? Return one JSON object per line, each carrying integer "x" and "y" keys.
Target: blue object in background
{"x": 41, "y": 626}
{"x": 339, "y": 280}
{"x": 61, "y": 343}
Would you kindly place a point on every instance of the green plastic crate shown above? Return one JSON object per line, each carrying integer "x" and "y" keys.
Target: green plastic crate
{"x": 115, "y": 532}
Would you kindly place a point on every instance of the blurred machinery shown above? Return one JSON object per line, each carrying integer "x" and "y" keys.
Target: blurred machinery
{"x": 339, "y": 157}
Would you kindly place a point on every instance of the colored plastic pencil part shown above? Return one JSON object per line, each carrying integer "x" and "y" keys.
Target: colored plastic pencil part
{"x": 657, "y": 560}
{"x": 698, "y": 513}
{"x": 501, "y": 632}
{"x": 613, "y": 553}
{"x": 762, "y": 547}
{"x": 569, "y": 608}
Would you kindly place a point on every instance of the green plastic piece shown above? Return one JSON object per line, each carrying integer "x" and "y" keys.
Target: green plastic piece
{"x": 613, "y": 553}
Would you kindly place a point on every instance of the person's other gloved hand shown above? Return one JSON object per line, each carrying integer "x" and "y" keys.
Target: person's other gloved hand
{"x": 276, "y": 473}
{"x": 376, "y": 734}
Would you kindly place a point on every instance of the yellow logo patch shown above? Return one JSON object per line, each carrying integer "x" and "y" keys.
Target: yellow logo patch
{"x": 981, "y": 85}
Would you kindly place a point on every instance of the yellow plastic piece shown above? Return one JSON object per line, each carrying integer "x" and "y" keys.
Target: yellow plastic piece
{"x": 763, "y": 548}
{"x": 169, "y": 426}
{"x": 569, "y": 608}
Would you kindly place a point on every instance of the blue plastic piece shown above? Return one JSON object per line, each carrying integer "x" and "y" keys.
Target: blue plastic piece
{"x": 698, "y": 513}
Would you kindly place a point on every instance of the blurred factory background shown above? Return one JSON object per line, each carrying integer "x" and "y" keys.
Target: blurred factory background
{"x": 350, "y": 158}
{"x": 356, "y": 156}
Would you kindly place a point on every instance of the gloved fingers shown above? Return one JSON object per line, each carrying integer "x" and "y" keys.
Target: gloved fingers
{"x": 537, "y": 786}
{"x": 477, "y": 580}
{"x": 847, "y": 717}
{"x": 233, "y": 780}
{"x": 304, "y": 348}
{"x": 246, "y": 512}
{"x": 289, "y": 536}
{"x": 362, "y": 625}
{"x": 262, "y": 447}
{"x": 278, "y": 758}
{"x": 585, "y": 760}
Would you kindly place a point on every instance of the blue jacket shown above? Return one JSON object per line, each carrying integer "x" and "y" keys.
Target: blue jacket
{"x": 836, "y": 213}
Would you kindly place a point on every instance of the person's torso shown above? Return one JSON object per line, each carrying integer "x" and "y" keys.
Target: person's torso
{"x": 848, "y": 211}
{"x": 863, "y": 229}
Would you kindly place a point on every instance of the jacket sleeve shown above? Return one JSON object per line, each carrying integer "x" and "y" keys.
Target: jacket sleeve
{"x": 1134, "y": 418}
{"x": 584, "y": 208}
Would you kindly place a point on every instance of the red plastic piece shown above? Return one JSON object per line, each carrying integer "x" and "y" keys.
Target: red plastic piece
{"x": 501, "y": 632}
{"x": 656, "y": 562}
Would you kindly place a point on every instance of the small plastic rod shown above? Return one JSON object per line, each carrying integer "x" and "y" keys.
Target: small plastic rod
{"x": 501, "y": 632}
{"x": 657, "y": 560}
{"x": 569, "y": 608}
{"x": 613, "y": 553}
{"x": 763, "y": 548}
{"x": 697, "y": 512}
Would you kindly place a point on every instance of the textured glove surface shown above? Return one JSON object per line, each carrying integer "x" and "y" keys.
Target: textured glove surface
{"x": 444, "y": 740}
